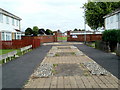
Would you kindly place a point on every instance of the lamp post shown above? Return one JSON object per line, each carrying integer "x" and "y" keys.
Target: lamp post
{"x": 84, "y": 27}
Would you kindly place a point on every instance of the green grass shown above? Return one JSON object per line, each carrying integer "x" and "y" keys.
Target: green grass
{"x": 57, "y": 55}
{"x": 5, "y": 51}
{"x": 55, "y": 65}
{"x": 61, "y": 38}
{"x": 73, "y": 53}
{"x": 91, "y": 45}
{"x": 1, "y": 62}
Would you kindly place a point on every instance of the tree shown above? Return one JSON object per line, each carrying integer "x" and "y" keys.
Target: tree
{"x": 95, "y": 11}
{"x": 41, "y": 31}
{"x": 75, "y": 29}
{"x": 48, "y": 32}
{"x": 28, "y": 31}
{"x": 79, "y": 30}
{"x": 35, "y": 30}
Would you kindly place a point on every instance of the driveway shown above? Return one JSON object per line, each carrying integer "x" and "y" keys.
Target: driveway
{"x": 16, "y": 73}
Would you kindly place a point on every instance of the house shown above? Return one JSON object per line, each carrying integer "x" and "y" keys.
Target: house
{"x": 80, "y": 32}
{"x": 112, "y": 20}
{"x": 83, "y": 32}
{"x": 9, "y": 26}
{"x": 59, "y": 33}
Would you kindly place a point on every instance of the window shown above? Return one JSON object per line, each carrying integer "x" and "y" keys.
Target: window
{"x": 107, "y": 20}
{"x": 117, "y": 17}
{"x": 111, "y": 19}
{"x": 18, "y": 35}
{"x": 3, "y": 36}
{"x": 17, "y": 22}
{"x": 8, "y": 36}
{"x": 7, "y": 19}
{"x": 15, "y": 36}
{"x": 13, "y": 23}
{"x": 1, "y": 17}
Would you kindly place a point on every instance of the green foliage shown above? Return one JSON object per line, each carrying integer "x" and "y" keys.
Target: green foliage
{"x": 41, "y": 31}
{"x": 35, "y": 30}
{"x": 55, "y": 65}
{"x": 48, "y": 32}
{"x": 75, "y": 29}
{"x": 28, "y": 31}
{"x": 95, "y": 11}
{"x": 118, "y": 34}
{"x": 112, "y": 37}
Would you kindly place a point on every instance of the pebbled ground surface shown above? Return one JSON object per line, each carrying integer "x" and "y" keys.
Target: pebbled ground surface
{"x": 109, "y": 61}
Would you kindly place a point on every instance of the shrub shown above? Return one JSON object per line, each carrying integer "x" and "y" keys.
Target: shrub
{"x": 112, "y": 37}
{"x": 118, "y": 34}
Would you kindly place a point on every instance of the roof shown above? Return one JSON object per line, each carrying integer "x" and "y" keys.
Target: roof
{"x": 112, "y": 13}
{"x": 80, "y": 31}
{"x": 9, "y": 14}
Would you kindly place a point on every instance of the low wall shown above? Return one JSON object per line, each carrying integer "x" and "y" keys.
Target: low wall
{"x": 89, "y": 37}
{"x": 118, "y": 50}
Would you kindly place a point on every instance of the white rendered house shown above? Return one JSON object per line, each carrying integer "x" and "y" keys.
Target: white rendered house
{"x": 9, "y": 26}
{"x": 112, "y": 20}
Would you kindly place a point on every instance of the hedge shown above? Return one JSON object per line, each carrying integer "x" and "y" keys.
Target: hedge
{"x": 112, "y": 37}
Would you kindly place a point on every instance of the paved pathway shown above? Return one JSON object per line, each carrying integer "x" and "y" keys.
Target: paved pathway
{"x": 108, "y": 61}
{"x": 70, "y": 55}
{"x": 17, "y": 72}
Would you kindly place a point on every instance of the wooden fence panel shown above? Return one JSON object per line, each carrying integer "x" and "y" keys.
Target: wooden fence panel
{"x": 16, "y": 44}
{"x": 89, "y": 37}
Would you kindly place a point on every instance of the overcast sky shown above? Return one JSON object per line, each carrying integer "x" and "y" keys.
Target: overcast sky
{"x": 52, "y": 14}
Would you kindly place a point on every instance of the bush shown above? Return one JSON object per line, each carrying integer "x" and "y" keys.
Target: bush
{"x": 102, "y": 46}
{"x": 118, "y": 34}
{"x": 112, "y": 37}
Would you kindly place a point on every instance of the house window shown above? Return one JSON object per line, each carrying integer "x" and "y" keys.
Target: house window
{"x": 15, "y": 36}
{"x": 3, "y": 36}
{"x": 17, "y": 22}
{"x": 117, "y": 17}
{"x": 107, "y": 20}
{"x": 7, "y": 19}
{"x": 8, "y": 36}
{"x": 13, "y": 23}
{"x": 1, "y": 17}
{"x": 18, "y": 35}
{"x": 111, "y": 19}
